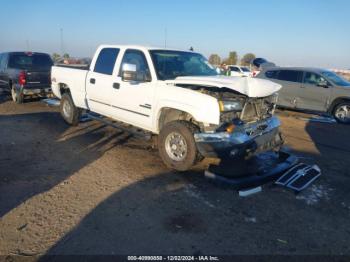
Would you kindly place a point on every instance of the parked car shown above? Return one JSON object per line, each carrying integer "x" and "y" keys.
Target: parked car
{"x": 312, "y": 89}
{"x": 259, "y": 64}
{"x": 25, "y": 74}
{"x": 176, "y": 95}
{"x": 239, "y": 71}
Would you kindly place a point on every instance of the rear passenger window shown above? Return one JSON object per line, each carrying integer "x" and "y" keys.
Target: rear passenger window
{"x": 290, "y": 75}
{"x": 272, "y": 74}
{"x": 106, "y": 61}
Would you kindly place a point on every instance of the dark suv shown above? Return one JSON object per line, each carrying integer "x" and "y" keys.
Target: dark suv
{"x": 311, "y": 89}
{"x": 25, "y": 74}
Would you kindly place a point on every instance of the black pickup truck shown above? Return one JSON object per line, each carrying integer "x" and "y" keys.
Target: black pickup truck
{"x": 25, "y": 74}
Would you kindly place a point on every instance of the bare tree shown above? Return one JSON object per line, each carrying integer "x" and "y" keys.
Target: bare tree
{"x": 214, "y": 59}
{"x": 232, "y": 58}
{"x": 247, "y": 59}
{"x": 55, "y": 57}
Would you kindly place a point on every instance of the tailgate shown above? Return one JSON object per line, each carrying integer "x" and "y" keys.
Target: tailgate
{"x": 38, "y": 79}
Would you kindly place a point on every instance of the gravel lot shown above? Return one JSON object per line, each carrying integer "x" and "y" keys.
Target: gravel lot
{"x": 92, "y": 189}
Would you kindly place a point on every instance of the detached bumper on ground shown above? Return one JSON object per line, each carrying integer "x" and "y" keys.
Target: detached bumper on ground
{"x": 246, "y": 140}
{"x": 259, "y": 170}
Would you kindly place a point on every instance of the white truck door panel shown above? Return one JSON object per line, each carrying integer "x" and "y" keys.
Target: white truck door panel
{"x": 98, "y": 88}
{"x": 99, "y": 81}
{"x": 132, "y": 100}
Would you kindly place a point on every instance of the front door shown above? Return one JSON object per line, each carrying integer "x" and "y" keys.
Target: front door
{"x": 132, "y": 101}
{"x": 313, "y": 95}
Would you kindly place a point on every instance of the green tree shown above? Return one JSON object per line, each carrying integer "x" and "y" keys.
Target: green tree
{"x": 247, "y": 59}
{"x": 55, "y": 57}
{"x": 232, "y": 58}
{"x": 214, "y": 59}
{"x": 66, "y": 56}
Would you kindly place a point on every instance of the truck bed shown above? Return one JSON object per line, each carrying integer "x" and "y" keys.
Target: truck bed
{"x": 80, "y": 67}
{"x": 74, "y": 78}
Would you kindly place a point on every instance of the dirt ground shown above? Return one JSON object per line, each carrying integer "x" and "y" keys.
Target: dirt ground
{"x": 92, "y": 189}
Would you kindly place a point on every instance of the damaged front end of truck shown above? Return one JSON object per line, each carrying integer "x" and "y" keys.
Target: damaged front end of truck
{"x": 246, "y": 128}
{"x": 247, "y": 123}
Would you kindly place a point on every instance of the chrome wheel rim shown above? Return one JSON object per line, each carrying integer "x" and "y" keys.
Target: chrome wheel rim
{"x": 66, "y": 109}
{"x": 176, "y": 146}
{"x": 14, "y": 95}
{"x": 343, "y": 113}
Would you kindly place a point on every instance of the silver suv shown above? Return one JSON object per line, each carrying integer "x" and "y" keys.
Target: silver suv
{"x": 311, "y": 89}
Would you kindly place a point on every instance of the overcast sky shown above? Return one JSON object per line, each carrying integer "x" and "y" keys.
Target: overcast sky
{"x": 288, "y": 32}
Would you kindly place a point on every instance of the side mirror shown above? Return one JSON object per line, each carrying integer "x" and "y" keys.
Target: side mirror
{"x": 129, "y": 72}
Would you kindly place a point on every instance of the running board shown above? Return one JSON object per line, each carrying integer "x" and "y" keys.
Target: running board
{"x": 299, "y": 177}
{"x": 131, "y": 130}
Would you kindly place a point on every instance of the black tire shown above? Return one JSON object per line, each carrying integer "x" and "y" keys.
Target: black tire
{"x": 336, "y": 111}
{"x": 185, "y": 131}
{"x": 70, "y": 113}
{"x": 17, "y": 96}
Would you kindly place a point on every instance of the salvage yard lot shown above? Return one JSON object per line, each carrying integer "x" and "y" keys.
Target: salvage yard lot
{"x": 92, "y": 189}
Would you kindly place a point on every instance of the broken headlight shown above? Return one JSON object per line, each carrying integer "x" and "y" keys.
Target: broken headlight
{"x": 227, "y": 105}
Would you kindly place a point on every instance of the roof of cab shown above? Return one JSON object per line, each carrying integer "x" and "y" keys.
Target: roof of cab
{"x": 142, "y": 47}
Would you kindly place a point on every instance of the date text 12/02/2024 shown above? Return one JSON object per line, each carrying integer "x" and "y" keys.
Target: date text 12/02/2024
{"x": 173, "y": 258}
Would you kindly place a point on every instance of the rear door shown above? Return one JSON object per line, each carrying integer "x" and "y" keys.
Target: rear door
{"x": 291, "y": 83}
{"x": 99, "y": 82}
{"x": 312, "y": 95}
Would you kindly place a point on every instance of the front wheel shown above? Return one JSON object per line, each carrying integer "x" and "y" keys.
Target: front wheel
{"x": 342, "y": 113}
{"x": 69, "y": 112}
{"x": 177, "y": 146}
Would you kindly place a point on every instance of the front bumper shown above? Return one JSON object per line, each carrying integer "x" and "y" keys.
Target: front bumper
{"x": 246, "y": 140}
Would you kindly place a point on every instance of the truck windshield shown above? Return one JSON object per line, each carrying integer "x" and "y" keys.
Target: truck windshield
{"x": 334, "y": 78}
{"x": 171, "y": 64}
{"x": 30, "y": 61}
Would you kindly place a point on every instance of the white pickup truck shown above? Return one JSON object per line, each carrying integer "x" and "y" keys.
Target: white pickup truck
{"x": 176, "y": 95}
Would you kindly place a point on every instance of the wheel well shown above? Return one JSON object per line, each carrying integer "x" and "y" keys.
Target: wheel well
{"x": 63, "y": 88}
{"x": 170, "y": 114}
{"x": 337, "y": 102}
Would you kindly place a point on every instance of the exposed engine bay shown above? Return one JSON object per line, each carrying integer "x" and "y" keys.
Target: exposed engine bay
{"x": 252, "y": 109}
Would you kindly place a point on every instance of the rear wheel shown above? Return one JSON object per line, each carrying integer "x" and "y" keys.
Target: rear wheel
{"x": 69, "y": 112}
{"x": 177, "y": 146}
{"x": 342, "y": 112}
{"x": 17, "y": 96}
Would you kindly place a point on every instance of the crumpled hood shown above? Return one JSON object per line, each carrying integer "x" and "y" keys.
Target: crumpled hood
{"x": 252, "y": 87}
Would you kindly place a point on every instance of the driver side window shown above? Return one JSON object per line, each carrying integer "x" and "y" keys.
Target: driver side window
{"x": 313, "y": 79}
{"x": 138, "y": 59}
